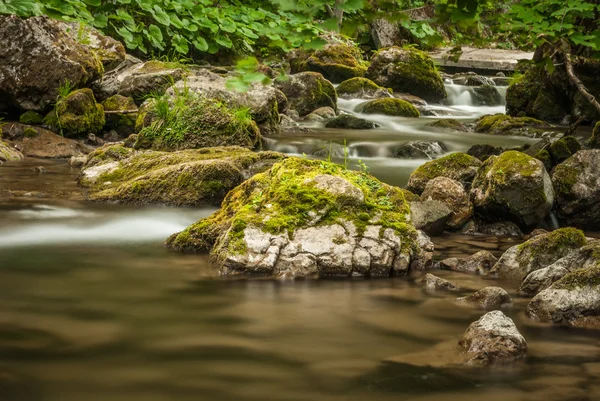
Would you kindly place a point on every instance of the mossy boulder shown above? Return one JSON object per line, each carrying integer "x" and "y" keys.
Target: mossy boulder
{"x": 31, "y": 118}
{"x": 308, "y": 218}
{"x": 594, "y": 141}
{"x": 77, "y": 114}
{"x": 513, "y": 186}
{"x": 449, "y": 124}
{"x": 7, "y": 153}
{"x": 337, "y": 62}
{"x": 563, "y": 148}
{"x": 361, "y": 88}
{"x": 390, "y": 107}
{"x": 199, "y": 123}
{"x": 538, "y": 252}
{"x": 486, "y": 95}
{"x": 185, "y": 178}
{"x": 122, "y": 123}
{"x": 457, "y": 166}
{"x": 308, "y": 91}
{"x": 501, "y": 124}
{"x": 407, "y": 70}
{"x": 573, "y": 300}
{"x": 577, "y": 185}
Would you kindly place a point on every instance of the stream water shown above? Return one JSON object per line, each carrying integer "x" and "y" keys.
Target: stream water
{"x": 93, "y": 307}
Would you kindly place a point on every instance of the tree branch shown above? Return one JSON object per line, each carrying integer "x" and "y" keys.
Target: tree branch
{"x": 566, "y": 51}
{"x": 121, "y": 112}
{"x": 329, "y": 11}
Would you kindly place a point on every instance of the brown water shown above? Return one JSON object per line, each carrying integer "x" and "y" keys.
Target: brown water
{"x": 92, "y": 307}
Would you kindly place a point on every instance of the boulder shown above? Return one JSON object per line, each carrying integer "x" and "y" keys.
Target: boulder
{"x": 389, "y": 107}
{"x": 122, "y": 123}
{"x": 39, "y": 54}
{"x": 488, "y": 298}
{"x": 538, "y": 280}
{"x": 8, "y": 153}
{"x": 500, "y": 229}
{"x": 309, "y": 218}
{"x": 348, "y": 121}
{"x": 77, "y": 114}
{"x": 501, "y": 124}
{"x": 457, "y": 166}
{"x": 493, "y": 339}
{"x": 513, "y": 186}
{"x": 199, "y": 123}
{"x": 573, "y": 300}
{"x": 31, "y": 118}
{"x": 449, "y": 124}
{"x": 594, "y": 141}
{"x": 118, "y": 174}
{"x": 321, "y": 114}
{"x": 453, "y": 194}
{"x": 361, "y": 88}
{"x": 430, "y": 216}
{"x": 407, "y": 70}
{"x": 42, "y": 143}
{"x": 577, "y": 185}
{"x": 433, "y": 283}
{"x": 538, "y": 252}
{"x": 307, "y": 91}
{"x": 483, "y": 152}
{"x": 337, "y": 62}
{"x": 563, "y": 148}
{"x": 478, "y": 263}
{"x": 486, "y": 95}
{"x": 419, "y": 150}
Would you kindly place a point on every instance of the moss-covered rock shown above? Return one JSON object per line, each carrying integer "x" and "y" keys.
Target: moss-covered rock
{"x": 122, "y": 123}
{"x": 77, "y": 114}
{"x": 538, "y": 252}
{"x": 407, "y": 70}
{"x": 577, "y": 185}
{"x": 198, "y": 123}
{"x": 337, "y": 62}
{"x": 361, "y": 88}
{"x": 8, "y": 153}
{"x": 501, "y": 124}
{"x": 308, "y": 91}
{"x": 513, "y": 186}
{"x": 390, "y": 107}
{"x": 348, "y": 121}
{"x": 449, "y": 123}
{"x": 457, "y": 166}
{"x": 31, "y": 118}
{"x": 594, "y": 141}
{"x": 564, "y": 148}
{"x": 184, "y": 178}
{"x": 486, "y": 95}
{"x": 308, "y": 218}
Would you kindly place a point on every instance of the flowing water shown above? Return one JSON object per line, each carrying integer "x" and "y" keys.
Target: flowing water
{"x": 93, "y": 308}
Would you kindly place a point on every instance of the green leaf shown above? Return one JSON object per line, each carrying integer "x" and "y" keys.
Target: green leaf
{"x": 200, "y": 43}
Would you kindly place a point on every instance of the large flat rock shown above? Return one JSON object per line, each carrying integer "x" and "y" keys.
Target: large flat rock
{"x": 481, "y": 59}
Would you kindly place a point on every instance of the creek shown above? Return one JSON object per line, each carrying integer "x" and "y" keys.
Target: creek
{"x": 93, "y": 307}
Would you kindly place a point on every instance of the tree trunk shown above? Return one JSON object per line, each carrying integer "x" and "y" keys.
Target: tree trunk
{"x": 339, "y": 13}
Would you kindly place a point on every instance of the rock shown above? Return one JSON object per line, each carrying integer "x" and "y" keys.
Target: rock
{"x": 594, "y": 141}
{"x": 453, "y": 194}
{"x": 471, "y": 79}
{"x": 44, "y": 144}
{"x": 77, "y": 114}
{"x": 287, "y": 222}
{"x": 389, "y": 107}
{"x": 514, "y": 186}
{"x": 501, "y": 124}
{"x": 412, "y": 99}
{"x": 457, "y": 166}
{"x": 538, "y": 280}
{"x": 39, "y": 54}
{"x": 433, "y": 283}
{"x": 362, "y": 88}
{"x": 31, "y": 118}
{"x": 94, "y": 140}
{"x": 203, "y": 123}
{"x": 385, "y": 33}
{"x": 493, "y": 339}
{"x": 483, "y": 152}
{"x": 118, "y": 174}
{"x": 8, "y": 154}
{"x": 573, "y": 300}
{"x": 538, "y": 252}
{"x": 478, "y": 263}
{"x": 430, "y": 216}
{"x": 122, "y": 123}
{"x": 348, "y": 121}
{"x": 321, "y": 114}
{"x": 111, "y": 136}
{"x": 563, "y": 148}
{"x": 307, "y": 91}
{"x": 450, "y": 124}
{"x": 486, "y": 95}
{"x": 488, "y": 298}
{"x": 501, "y": 229}
{"x": 39, "y": 169}
{"x": 407, "y": 70}
{"x": 337, "y": 62}
{"x": 419, "y": 150}
{"x": 77, "y": 161}
{"x": 577, "y": 185}
{"x": 288, "y": 124}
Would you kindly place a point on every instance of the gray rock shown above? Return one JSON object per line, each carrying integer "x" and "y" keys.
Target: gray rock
{"x": 458, "y": 166}
{"x": 488, "y": 298}
{"x": 433, "y": 283}
{"x": 348, "y": 121}
{"x": 385, "y": 33}
{"x": 321, "y": 114}
{"x": 308, "y": 91}
{"x": 453, "y": 194}
{"x": 493, "y": 339}
{"x": 430, "y": 216}
{"x": 419, "y": 150}
{"x": 484, "y": 151}
{"x": 500, "y": 229}
{"x": 478, "y": 263}
{"x": 486, "y": 95}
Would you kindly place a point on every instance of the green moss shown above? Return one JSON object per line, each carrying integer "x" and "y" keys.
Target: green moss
{"x": 580, "y": 278}
{"x": 390, "y": 107}
{"x": 357, "y": 86}
{"x": 77, "y": 114}
{"x": 544, "y": 156}
{"x": 30, "y": 132}
{"x": 503, "y": 124}
{"x": 564, "y": 148}
{"x": 337, "y": 62}
{"x": 565, "y": 176}
{"x": 594, "y": 142}
{"x": 557, "y": 244}
{"x": 124, "y": 124}
{"x": 449, "y": 123}
{"x": 31, "y": 118}
{"x": 509, "y": 164}
{"x": 458, "y": 166}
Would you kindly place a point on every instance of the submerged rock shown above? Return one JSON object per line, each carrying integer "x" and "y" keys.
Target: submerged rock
{"x": 457, "y": 166}
{"x": 308, "y": 91}
{"x": 362, "y": 88}
{"x": 307, "y": 218}
{"x": 514, "y": 186}
{"x": 390, "y": 107}
{"x": 419, "y": 150}
{"x": 493, "y": 339}
{"x": 573, "y": 300}
{"x": 449, "y": 123}
{"x": 577, "y": 186}
{"x": 501, "y": 124}
{"x": 348, "y": 121}
{"x": 453, "y": 194}
{"x": 478, "y": 263}
{"x": 407, "y": 70}
{"x": 77, "y": 114}
{"x": 186, "y": 178}
{"x": 488, "y": 298}
{"x": 538, "y": 252}
{"x": 433, "y": 283}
